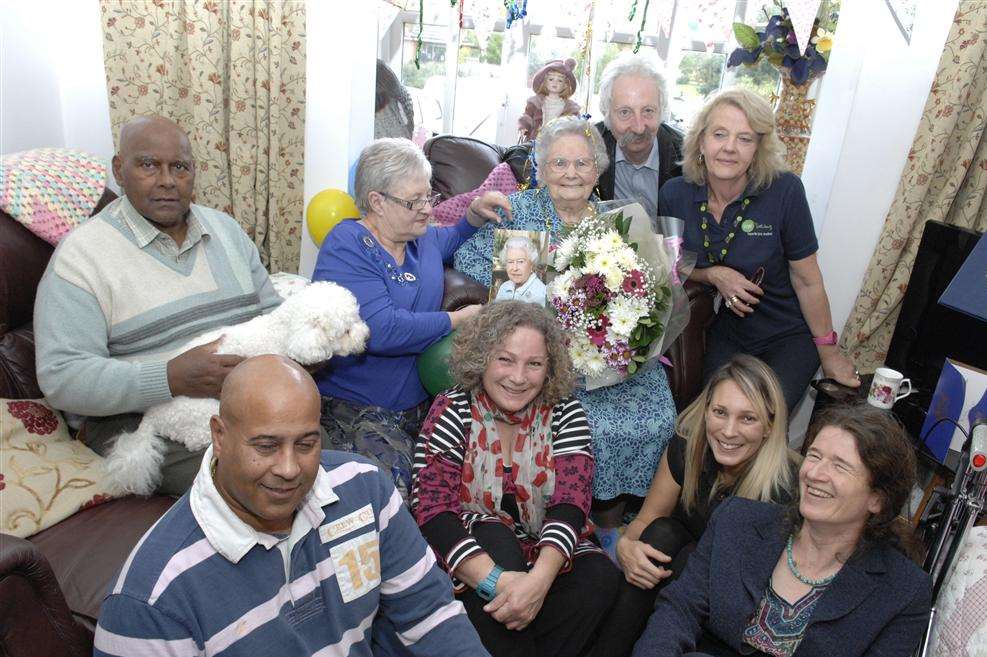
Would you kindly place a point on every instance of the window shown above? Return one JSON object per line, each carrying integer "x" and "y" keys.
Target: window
{"x": 483, "y": 90}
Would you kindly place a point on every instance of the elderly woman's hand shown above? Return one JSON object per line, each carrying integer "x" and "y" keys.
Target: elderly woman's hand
{"x": 838, "y": 367}
{"x": 739, "y": 294}
{"x": 484, "y": 208}
{"x": 635, "y": 558}
{"x": 519, "y": 599}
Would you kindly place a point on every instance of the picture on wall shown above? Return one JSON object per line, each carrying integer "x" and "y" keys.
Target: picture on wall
{"x": 521, "y": 266}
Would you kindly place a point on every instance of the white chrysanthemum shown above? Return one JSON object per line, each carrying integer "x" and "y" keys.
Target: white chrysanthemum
{"x": 582, "y": 352}
{"x": 597, "y": 245}
{"x": 627, "y": 258}
{"x": 560, "y": 286}
{"x": 564, "y": 253}
{"x": 614, "y": 241}
{"x": 625, "y": 313}
{"x": 613, "y": 277}
{"x": 601, "y": 263}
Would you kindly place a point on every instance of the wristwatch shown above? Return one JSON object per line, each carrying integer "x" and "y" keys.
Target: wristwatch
{"x": 826, "y": 339}
{"x": 487, "y": 589}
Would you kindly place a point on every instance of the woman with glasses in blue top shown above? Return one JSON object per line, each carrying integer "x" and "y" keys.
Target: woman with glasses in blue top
{"x": 391, "y": 259}
{"x": 631, "y": 422}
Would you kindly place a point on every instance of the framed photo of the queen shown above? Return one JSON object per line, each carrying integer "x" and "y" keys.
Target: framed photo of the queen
{"x": 521, "y": 266}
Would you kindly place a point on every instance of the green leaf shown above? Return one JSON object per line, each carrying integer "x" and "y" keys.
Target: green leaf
{"x": 746, "y": 36}
{"x": 631, "y": 367}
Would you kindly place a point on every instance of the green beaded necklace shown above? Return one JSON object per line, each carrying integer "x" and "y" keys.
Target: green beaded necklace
{"x": 733, "y": 231}
{"x": 808, "y": 581}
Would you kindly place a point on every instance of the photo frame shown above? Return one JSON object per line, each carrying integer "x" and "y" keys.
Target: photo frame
{"x": 521, "y": 266}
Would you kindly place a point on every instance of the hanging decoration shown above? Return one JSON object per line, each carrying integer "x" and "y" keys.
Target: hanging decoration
{"x": 515, "y": 12}
{"x": 644, "y": 17}
{"x": 779, "y": 44}
{"x": 418, "y": 39}
{"x": 802, "y": 14}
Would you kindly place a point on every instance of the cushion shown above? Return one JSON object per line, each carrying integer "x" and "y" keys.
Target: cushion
{"x": 45, "y": 474}
{"x": 51, "y": 190}
{"x": 501, "y": 179}
{"x": 960, "y": 626}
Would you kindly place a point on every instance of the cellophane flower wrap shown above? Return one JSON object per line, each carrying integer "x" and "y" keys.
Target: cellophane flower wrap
{"x": 617, "y": 295}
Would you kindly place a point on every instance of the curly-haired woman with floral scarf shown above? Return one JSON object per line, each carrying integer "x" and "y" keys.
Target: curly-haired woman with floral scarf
{"x": 503, "y": 484}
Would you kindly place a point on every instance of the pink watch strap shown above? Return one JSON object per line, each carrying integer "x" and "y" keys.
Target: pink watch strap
{"x": 826, "y": 339}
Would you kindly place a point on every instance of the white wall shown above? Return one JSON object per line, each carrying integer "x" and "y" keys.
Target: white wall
{"x": 341, "y": 68}
{"x": 869, "y": 108}
{"x": 53, "y": 82}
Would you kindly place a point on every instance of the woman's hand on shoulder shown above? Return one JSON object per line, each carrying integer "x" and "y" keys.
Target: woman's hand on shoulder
{"x": 484, "y": 208}
{"x": 635, "y": 558}
{"x": 739, "y": 294}
{"x": 519, "y": 599}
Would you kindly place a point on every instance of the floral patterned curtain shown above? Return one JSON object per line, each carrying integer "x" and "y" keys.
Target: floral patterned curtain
{"x": 232, "y": 74}
{"x": 945, "y": 179}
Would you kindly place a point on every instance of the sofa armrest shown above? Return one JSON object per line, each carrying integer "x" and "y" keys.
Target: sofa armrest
{"x": 35, "y": 620}
{"x": 685, "y": 377}
{"x": 461, "y": 290}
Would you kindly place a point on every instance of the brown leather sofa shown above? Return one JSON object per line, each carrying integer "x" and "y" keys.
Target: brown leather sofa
{"x": 52, "y": 585}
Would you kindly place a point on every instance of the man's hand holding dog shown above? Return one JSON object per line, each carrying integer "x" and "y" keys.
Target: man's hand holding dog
{"x": 200, "y": 371}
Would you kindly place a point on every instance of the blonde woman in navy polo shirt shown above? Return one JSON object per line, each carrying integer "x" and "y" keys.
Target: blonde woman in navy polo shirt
{"x": 748, "y": 221}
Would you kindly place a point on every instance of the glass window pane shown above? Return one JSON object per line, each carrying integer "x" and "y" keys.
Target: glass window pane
{"x": 699, "y": 75}
{"x": 479, "y": 87}
{"x": 762, "y": 78}
{"x": 426, "y": 84}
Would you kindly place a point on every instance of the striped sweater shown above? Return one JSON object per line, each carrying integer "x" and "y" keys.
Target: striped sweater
{"x": 438, "y": 469}
{"x": 120, "y": 298}
{"x": 360, "y": 581}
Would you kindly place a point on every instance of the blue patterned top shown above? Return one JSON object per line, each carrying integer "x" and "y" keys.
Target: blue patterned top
{"x": 777, "y": 626}
{"x": 632, "y": 421}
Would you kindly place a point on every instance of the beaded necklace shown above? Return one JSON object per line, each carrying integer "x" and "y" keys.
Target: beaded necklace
{"x": 808, "y": 581}
{"x": 729, "y": 238}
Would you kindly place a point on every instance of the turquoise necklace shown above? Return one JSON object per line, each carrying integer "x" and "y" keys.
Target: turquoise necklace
{"x": 799, "y": 576}
{"x": 729, "y": 238}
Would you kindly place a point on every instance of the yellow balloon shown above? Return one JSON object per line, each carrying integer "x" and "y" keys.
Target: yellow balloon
{"x": 326, "y": 209}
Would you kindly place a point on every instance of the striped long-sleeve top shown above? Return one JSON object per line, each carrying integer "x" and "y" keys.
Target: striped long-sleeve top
{"x": 437, "y": 475}
{"x": 358, "y": 580}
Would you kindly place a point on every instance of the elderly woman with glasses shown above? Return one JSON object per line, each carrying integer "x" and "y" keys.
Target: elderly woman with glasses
{"x": 391, "y": 259}
{"x": 632, "y": 421}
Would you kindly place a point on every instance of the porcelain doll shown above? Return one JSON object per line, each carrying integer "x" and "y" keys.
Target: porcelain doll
{"x": 554, "y": 85}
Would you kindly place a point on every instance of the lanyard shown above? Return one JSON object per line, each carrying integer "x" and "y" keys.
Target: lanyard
{"x": 729, "y": 238}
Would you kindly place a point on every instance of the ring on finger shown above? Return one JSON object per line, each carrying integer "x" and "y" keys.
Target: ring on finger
{"x": 728, "y": 303}
{"x": 733, "y": 299}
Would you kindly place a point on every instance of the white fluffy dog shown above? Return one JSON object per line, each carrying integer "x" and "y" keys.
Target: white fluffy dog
{"x": 317, "y": 322}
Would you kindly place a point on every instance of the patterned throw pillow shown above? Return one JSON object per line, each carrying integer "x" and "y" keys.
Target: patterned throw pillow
{"x": 45, "y": 474}
{"x": 501, "y": 179}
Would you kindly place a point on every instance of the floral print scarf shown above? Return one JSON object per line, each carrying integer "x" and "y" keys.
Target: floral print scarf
{"x": 531, "y": 458}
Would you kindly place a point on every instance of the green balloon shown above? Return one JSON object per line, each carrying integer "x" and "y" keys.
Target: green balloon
{"x": 433, "y": 366}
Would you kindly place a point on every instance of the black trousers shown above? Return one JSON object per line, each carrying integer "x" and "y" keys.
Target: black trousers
{"x": 573, "y": 608}
{"x": 794, "y": 359}
{"x": 630, "y": 613}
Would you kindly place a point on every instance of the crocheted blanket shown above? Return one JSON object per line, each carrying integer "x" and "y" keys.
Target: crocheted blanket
{"x": 51, "y": 190}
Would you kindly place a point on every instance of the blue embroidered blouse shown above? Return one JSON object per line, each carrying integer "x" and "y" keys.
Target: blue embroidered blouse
{"x": 400, "y": 304}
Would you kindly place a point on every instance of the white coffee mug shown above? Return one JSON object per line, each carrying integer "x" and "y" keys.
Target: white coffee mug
{"x": 886, "y": 388}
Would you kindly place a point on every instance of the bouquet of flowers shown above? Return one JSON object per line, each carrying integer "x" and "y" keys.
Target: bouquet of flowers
{"x": 779, "y": 45}
{"x": 614, "y": 294}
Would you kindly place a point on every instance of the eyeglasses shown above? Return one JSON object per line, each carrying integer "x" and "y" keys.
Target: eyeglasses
{"x": 416, "y": 204}
{"x": 561, "y": 165}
